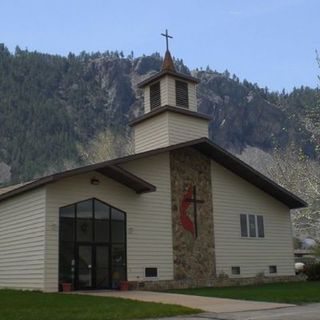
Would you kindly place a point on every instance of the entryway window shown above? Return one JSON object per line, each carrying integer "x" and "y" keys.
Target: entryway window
{"x": 92, "y": 245}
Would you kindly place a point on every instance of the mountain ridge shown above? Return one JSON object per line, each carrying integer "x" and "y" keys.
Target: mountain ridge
{"x": 55, "y": 111}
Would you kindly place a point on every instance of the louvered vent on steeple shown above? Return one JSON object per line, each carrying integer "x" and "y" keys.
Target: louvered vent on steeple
{"x": 182, "y": 99}
{"x": 155, "y": 95}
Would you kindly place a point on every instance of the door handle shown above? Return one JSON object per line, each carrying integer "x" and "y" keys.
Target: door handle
{"x": 89, "y": 266}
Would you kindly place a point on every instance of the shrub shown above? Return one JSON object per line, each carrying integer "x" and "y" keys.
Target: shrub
{"x": 313, "y": 272}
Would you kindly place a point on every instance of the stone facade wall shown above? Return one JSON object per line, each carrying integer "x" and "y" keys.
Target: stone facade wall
{"x": 217, "y": 282}
{"x": 194, "y": 259}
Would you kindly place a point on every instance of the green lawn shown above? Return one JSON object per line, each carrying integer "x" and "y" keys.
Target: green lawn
{"x": 296, "y": 293}
{"x": 24, "y": 305}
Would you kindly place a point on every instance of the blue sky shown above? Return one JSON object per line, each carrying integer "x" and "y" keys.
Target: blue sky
{"x": 269, "y": 42}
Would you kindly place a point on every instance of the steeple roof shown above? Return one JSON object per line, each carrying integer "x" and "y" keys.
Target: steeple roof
{"x": 167, "y": 68}
{"x": 168, "y": 62}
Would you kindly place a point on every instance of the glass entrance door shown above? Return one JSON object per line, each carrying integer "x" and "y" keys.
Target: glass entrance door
{"x": 93, "y": 267}
{"x": 85, "y": 267}
{"x": 102, "y": 267}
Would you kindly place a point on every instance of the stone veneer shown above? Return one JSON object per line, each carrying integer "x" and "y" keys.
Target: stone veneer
{"x": 194, "y": 258}
{"x": 217, "y": 282}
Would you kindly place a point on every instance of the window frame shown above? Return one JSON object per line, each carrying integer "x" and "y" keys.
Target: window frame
{"x": 249, "y": 234}
{"x": 235, "y": 270}
{"x": 151, "y": 277}
{"x": 93, "y": 242}
{"x": 273, "y": 269}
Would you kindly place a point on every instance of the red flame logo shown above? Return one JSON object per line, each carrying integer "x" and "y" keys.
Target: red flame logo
{"x": 186, "y": 222}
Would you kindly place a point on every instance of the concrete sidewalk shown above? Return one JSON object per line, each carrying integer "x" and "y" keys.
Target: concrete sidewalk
{"x": 212, "y": 305}
{"x": 305, "y": 312}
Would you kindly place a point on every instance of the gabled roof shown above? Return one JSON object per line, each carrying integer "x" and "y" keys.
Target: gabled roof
{"x": 112, "y": 171}
{"x": 204, "y": 145}
{"x": 232, "y": 163}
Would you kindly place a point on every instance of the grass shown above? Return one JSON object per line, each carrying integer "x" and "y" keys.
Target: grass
{"x": 294, "y": 292}
{"x": 27, "y": 305}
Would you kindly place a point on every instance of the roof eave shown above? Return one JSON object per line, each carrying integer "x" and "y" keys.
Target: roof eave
{"x": 168, "y": 108}
{"x": 112, "y": 171}
{"x": 254, "y": 177}
{"x": 162, "y": 73}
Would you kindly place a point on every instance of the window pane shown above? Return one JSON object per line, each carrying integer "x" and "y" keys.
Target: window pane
{"x": 85, "y": 266}
{"x": 243, "y": 223}
{"x": 118, "y": 274}
{"x": 260, "y": 226}
{"x": 252, "y": 225}
{"x": 102, "y": 279}
{"x": 67, "y": 216}
{"x": 235, "y": 270}
{"x": 66, "y": 262}
{"x": 151, "y": 272}
{"x": 118, "y": 264}
{"x": 84, "y": 209}
{"x": 85, "y": 256}
{"x": 102, "y": 214}
{"x": 84, "y": 221}
{"x": 118, "y": 255}
{"x": 272, "y": 269}
{"x": 117, "y": 225}
{"x": 102, "y": 257}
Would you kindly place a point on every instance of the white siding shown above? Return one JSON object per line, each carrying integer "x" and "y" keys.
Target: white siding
{"x": 184, "y": 128}
{"x": 146, "y": 99}
{"x": 152, "y": 133}
{"x": 166, "y": 129}
{"x": 149, "y": 231}
{"x": 22, "y": 239}
{"x": 192, "y": 97}
{"x": 233, "y": 196}
{"x": 171, "y": 91}
{"x": 164, "y": 86}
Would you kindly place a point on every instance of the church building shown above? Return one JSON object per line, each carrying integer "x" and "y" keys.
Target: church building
{"x": 179, "y": 212}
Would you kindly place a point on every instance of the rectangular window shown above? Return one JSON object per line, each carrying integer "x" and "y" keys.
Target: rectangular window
{"x": 182, "y": 99}
{"x": 272, "y": 269}
{"x": 151, "y": 272}
{"x": 260, "y": 226}
{"x": 244, "y": 225}
{"x": 155, "y": 96}
{"x": 235, "y": 270}
{"x": 252, "y": 226}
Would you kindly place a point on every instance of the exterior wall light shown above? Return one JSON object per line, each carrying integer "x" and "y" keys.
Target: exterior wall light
{"x": 95, "y": 181}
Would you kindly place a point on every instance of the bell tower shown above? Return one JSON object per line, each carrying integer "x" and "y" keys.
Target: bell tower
{"x": 170, "y": 109}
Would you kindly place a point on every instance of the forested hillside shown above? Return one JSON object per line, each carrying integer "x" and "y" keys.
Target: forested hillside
{"x": 60, "y": 112}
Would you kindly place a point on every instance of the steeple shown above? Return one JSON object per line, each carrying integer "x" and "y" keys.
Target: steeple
{"x": 170, "y": 108}
{"x": 167, "y": 61}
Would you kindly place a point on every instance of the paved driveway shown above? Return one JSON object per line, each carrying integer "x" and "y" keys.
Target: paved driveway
{"x": 211, "y": 305}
